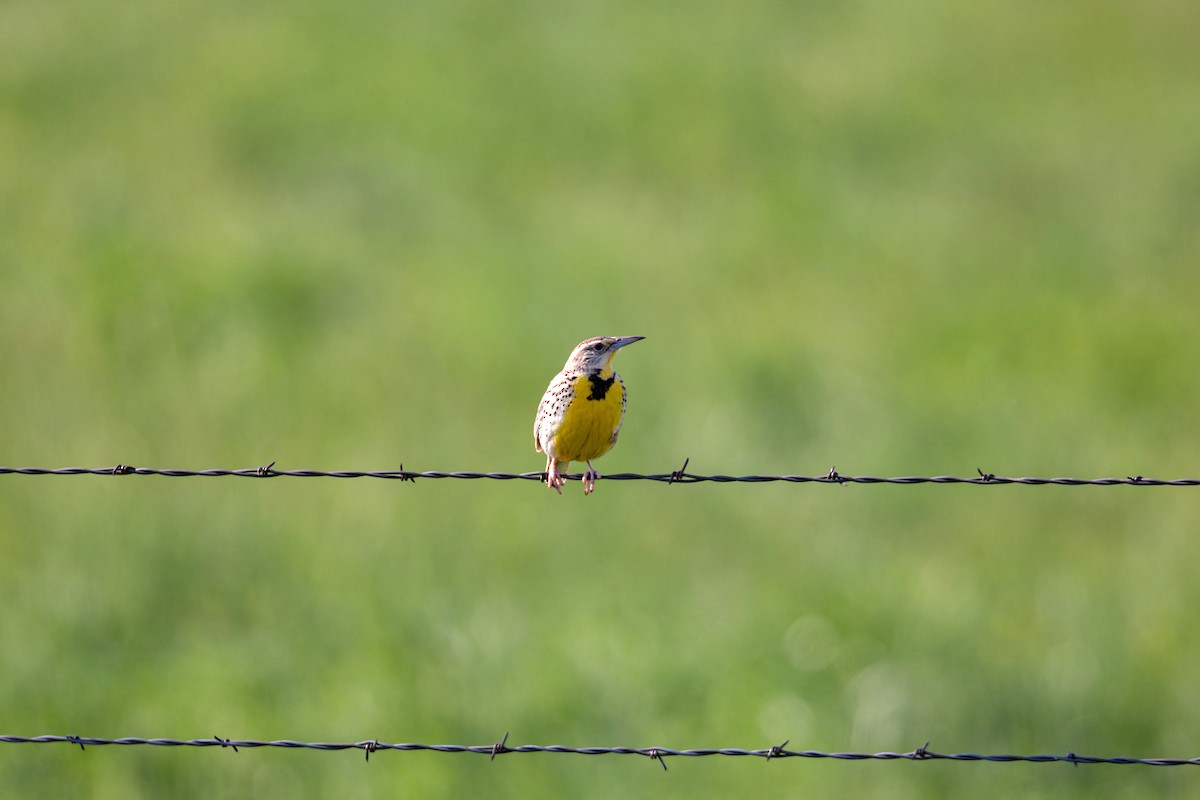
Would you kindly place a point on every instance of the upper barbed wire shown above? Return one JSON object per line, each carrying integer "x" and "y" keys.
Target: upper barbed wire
{"x": 678, "y": 476}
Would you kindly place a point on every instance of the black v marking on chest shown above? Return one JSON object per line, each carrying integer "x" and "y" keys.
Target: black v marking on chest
{"x": 600, "y": 386}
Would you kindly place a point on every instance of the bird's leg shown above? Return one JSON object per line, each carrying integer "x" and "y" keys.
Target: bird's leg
{"x": 589, "y": 479}
{"x": 553, "y": 479}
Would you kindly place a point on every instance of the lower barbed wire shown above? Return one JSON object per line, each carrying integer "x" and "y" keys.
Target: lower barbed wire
{"x": 922, "y": 753}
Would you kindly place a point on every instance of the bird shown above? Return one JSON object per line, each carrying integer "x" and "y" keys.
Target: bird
{"x": 581, "y": 412}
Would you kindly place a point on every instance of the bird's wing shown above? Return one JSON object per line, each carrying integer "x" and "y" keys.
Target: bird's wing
{"x": 537, "y": 423}
{"x": 550, "y": 411}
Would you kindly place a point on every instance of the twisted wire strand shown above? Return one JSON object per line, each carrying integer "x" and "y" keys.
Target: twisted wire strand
{"x": 677, "y": 476}
{"x": 922, "y": 753}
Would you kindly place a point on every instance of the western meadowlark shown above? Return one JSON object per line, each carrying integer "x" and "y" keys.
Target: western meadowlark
{"x": 580, "y": 413}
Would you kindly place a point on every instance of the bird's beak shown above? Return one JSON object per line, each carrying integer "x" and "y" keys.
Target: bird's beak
{"x": 624, "y": 340}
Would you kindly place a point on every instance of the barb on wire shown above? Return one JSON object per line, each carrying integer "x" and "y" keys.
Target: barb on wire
{"x": 499, "y": 747}
{"x": 369, "y": 746}
{"x": 673, "y": 477}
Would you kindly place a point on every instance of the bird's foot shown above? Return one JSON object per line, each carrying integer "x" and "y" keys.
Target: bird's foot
{"x": 553, "y": 479}
{"x": 589, "y": 479}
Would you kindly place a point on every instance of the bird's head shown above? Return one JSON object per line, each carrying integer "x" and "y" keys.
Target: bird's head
{"x": 596, "y": 355}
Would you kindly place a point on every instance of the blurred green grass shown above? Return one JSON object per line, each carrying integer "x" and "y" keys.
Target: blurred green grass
{"x": 909, "y": 239}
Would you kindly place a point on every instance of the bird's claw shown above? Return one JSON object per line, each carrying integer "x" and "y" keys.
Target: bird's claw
{"x": 589, "y": 480}
{"x": 553, "y": 479}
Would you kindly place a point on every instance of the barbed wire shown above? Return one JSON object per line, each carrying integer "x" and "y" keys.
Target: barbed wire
{"x": 369, "y": 746}
{"x": 680, "y": 475}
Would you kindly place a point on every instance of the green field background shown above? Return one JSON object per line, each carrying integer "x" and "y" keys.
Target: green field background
{"x": 895, "y": 238}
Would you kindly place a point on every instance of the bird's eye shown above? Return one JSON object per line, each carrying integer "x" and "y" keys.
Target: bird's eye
{"x": 598, "y": 346}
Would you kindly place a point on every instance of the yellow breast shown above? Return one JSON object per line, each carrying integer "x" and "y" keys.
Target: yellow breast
{"x": 592, "y": 419}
